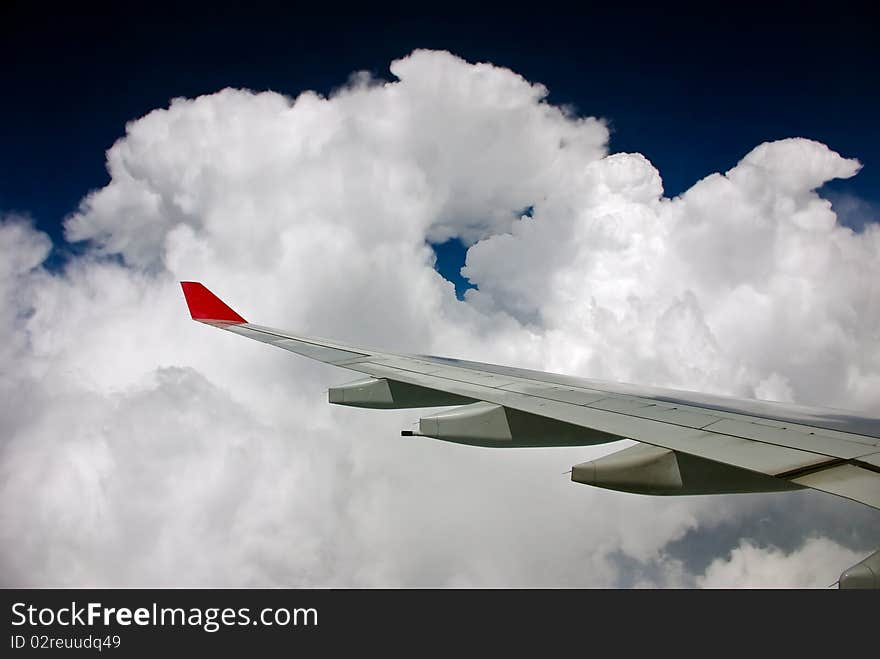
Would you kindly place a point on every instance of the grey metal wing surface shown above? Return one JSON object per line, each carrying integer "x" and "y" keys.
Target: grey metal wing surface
{"x": 688, "y": 443}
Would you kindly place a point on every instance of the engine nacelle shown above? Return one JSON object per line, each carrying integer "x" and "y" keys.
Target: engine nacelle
{"x": 490, "y": 425}
{"x": 862, "y": 575}
{"x": 646, "y": 469}
{"x": 379, "y": 393}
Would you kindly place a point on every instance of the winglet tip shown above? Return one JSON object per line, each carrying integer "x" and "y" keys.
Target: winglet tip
{"x": 205, "y": 306}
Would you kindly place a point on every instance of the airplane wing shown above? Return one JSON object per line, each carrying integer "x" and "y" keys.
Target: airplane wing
{"x": 689, "y": 443}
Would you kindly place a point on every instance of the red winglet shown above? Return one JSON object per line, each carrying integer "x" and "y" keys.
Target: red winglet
{"x": 204, "y": 305}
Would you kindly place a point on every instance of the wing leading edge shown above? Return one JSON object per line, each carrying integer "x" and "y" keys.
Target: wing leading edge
{"x": 690, "y": 443}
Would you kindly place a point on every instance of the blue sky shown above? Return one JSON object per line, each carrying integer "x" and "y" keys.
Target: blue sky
{"x": 693, "y": 92}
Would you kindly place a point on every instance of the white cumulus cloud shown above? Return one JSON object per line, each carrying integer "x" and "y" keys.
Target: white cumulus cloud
{"x": 140, "y": 448}
{"x": 748, "y": 566}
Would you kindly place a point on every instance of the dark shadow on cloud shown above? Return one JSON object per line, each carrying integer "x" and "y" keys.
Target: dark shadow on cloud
{"x": 632, "y": 572}
{"x": 782, "y": 521}
{"x": 64, "y": 252}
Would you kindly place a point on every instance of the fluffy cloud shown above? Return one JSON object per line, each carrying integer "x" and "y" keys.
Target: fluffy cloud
{"x": 141, "y": 448}
{"x": 754, "y": 567}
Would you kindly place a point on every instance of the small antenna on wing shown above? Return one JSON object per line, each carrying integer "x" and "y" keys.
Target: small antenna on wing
{"x": 411, "y": 433}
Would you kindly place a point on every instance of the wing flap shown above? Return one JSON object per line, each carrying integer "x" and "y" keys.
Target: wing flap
{"x": 845, "y": 480}
{"x": 873, "y": 460}
{"x": 761, "y": 457}
{"x": 619, "y": 404}
{"x": 781, "y": 437}
{"x": 677, "y": 416}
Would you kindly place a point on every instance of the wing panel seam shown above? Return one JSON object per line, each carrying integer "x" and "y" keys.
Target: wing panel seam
{"x": 831, "y": 458}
